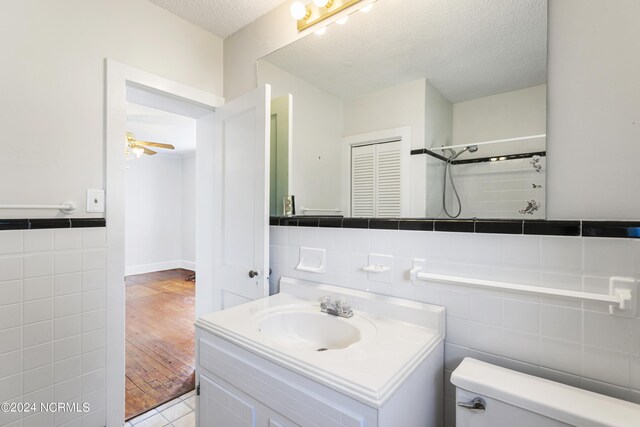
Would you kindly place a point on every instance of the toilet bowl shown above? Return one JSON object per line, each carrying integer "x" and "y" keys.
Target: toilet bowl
{"x": 491, "y": 396}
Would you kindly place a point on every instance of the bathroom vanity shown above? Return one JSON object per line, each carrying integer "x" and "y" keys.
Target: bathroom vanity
{"x": 281, "y": 361}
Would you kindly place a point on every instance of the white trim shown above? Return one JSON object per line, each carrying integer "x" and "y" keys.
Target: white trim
{"x": 403, "y": 134}
{"x": 159, "y": 266}
{"x": 117, "y": 77}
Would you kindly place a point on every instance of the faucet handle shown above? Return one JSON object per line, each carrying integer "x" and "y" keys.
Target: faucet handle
{"x": 325, "y": 301}
{"x": 343, "y": 305}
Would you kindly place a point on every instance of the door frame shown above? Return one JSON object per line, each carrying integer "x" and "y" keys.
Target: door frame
{"x": 118, "y": 77}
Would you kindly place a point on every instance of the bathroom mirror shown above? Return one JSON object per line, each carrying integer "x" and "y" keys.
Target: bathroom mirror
{"x": 417, "y": 109}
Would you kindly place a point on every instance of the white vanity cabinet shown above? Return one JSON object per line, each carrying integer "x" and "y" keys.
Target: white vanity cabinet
{"x": 238, "y": 388}
{"x": 243, "y": 381}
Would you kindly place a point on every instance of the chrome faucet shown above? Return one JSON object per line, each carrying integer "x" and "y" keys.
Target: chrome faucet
{"x": 340, "y": 307}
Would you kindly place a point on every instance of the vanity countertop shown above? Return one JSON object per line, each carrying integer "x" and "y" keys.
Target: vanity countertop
{"x": 395, "y": 336}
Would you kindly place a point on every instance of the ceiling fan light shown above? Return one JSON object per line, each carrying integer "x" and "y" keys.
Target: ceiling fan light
{"x": 298, "y": 10}
{"x": 138, "y": 151}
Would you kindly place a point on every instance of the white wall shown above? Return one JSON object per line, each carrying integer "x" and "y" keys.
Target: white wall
{"x": 52, "y": 110}
{"x": 188, "y": 255}
{"x": 438, "y": 113}
{"x": 316, "y": 139}
{"x": 506, "y": 115}
{"x": 160, "y": 213}
{"x": 594, "y": 99}
{"x": 153, "y": 231}
{"x": 594, "y": 109}
{"x": 393, "y": 107}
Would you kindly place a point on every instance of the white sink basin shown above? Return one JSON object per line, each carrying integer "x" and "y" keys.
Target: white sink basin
{"x": 305, "y": 330}
{"x": 367, "y": 356}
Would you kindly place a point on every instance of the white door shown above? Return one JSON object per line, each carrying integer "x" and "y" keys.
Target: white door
{"x": 241, "y": 200}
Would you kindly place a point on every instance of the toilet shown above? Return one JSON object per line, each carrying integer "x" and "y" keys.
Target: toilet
{"x": 491, "y": 396}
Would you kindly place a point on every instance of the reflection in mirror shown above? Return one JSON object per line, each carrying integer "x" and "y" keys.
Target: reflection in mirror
{"x": 280, "y": 139}
{"x": 418, "y": 109}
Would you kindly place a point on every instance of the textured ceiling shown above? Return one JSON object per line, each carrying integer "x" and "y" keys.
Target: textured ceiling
{"x": 149, "y": 124}
{"x": 221, "y": 17}
{"x": 466, "y": 48}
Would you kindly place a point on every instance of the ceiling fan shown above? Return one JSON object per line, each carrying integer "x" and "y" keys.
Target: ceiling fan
{"x": 138, "y": 148}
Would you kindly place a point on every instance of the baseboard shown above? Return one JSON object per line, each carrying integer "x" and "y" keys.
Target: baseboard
{"x": 189, "y": 265}
{"x": 159, "y": 266}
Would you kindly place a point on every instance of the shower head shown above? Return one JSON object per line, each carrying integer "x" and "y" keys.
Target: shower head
{"x": 469, "y": 148}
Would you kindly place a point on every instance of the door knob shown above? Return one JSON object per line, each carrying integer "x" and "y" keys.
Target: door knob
{"x": 253, "y": 273}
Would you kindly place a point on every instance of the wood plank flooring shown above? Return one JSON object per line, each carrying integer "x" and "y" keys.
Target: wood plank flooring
{"x": 160, "y": 336}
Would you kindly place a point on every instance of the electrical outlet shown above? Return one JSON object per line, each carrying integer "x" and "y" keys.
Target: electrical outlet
{"x": 95, "y": 200}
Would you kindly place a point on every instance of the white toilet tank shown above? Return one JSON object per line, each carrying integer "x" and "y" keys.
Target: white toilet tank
{"x": 491, "y": 396}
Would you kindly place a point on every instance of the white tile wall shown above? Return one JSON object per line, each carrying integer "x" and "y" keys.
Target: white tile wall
{"x": 571, "y": 342}
{"x": 52, "y": 320}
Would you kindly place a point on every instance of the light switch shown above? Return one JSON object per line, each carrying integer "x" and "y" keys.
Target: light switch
{"x": 95, "y": 200}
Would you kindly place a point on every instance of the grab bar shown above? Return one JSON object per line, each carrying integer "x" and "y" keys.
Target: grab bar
{"x": 622, "y": 298}
{"x": 66, "y": 207}
{"x": 303, "y": 210}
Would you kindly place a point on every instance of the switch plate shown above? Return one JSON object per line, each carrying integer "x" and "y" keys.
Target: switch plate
{"x": 95, "y": 200}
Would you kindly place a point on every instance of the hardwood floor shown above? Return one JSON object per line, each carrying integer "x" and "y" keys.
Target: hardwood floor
{"x": 160, "y": 354}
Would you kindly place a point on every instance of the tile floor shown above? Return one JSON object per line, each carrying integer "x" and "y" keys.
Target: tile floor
{"x": 179, "y": 412}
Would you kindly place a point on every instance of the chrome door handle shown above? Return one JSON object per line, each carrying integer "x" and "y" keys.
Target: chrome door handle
{"x": 253, "y": 273}
{"x": 477, "y": 405}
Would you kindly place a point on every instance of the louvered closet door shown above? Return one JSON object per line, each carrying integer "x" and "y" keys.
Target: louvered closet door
{"x": 388, "y": 179}
{"x": 363, "y": 185}
{"x": 375, "y": 180}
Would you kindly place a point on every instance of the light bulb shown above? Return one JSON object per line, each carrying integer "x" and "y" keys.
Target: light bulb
{"x": 298, "y": 10}
{"x": 320, "y": 3}
{"x": 342, "y": 21}
{"x": 320, "y": 31}
{"x": 367, "y": 8}
{"x": 137, "y": 151}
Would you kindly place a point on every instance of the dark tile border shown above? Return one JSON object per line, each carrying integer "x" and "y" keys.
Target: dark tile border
{"x": 479, "y": 159}
{"x": 552, "y": 228}
{"x": 88, "y": 222}
{"x": 355, "y": 222}
{"x": 416, "y": 224}
{"x": 618, "y": 229}
{"x": 330, "y": 222}
{"x": 453, "y": 225}
{"x": 38, "y": 224}
{"x": 50, "y": 223}
{"x": 14, "y": 224}
{"x": 509, "y": 157}
{"x": 384, "y": 224}
{"x": 499, "y": 226}
{"x": 626, "y": 229}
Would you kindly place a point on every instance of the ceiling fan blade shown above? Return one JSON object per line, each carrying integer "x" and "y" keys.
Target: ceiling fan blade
{"x": 156, "y": 144}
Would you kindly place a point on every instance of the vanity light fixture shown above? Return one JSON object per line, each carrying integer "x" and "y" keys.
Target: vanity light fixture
{"x": 317, "y": 11}
{"x": 299, "y": 11}
{"x": 323, "y": 3}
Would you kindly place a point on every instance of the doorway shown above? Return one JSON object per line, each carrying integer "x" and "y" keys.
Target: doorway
{"x": 159, "y": 256}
